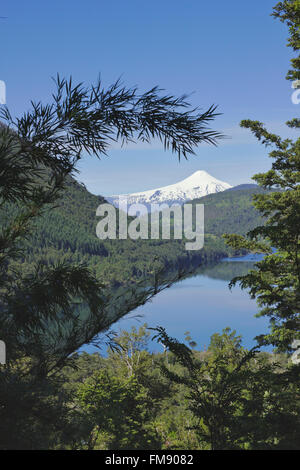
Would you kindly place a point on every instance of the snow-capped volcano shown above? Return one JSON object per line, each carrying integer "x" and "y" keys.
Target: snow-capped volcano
{"x": 197, "y": 185}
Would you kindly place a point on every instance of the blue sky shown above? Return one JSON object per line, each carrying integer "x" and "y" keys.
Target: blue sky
{"x": 228, "y": 53}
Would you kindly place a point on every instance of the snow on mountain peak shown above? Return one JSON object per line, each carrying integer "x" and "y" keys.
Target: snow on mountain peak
{"x": 198, "y": 178}
{"x": 194, "y": 186}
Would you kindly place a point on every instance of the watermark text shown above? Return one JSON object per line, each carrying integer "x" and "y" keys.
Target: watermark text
{"x": 161, "y": 222}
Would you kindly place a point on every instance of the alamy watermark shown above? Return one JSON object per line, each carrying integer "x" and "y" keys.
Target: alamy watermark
{"x": 161, "y": 222}
{"x": 2, "y": 92}
{"x": 296, "y": 94}
{"x": 295, "y": 358}
{"x": 2, "y": 352}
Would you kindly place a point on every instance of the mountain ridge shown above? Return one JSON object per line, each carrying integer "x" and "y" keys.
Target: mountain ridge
{"x": 197, "y": 185}
{"x": 68, "y": 233}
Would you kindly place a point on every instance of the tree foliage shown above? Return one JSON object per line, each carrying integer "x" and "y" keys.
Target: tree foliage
{"x": 50, "y": 309}
{"x": 276, "y": 281}
{"x": 239, "y": 399}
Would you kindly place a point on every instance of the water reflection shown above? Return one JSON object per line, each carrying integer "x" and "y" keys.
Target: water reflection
{"x": 203, "y": 304}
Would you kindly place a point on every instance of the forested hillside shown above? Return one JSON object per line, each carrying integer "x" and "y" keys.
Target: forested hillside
{"x": 231, "y": 211}
{"x": 68, "y": 231}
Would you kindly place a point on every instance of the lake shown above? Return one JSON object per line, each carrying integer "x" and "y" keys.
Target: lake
{"x": 203, "y": 305}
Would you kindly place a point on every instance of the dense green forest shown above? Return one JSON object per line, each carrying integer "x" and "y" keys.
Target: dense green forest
{"x": 136, "y": 399}
{"x": 62, "y": 288}
{"x": 68, "y": 231}
{"x": 231, "y": 211}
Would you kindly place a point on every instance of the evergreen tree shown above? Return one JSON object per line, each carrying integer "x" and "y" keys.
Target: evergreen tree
{"x": 48, "y": 312}
{"x": 276, "y": 281}
{"x": 239, "y": 399}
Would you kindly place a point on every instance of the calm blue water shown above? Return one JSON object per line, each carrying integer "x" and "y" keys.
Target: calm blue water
{"x": 203, "y": 305}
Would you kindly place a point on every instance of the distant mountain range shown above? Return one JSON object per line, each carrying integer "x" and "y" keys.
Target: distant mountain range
{"x": 197, "y": 185}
